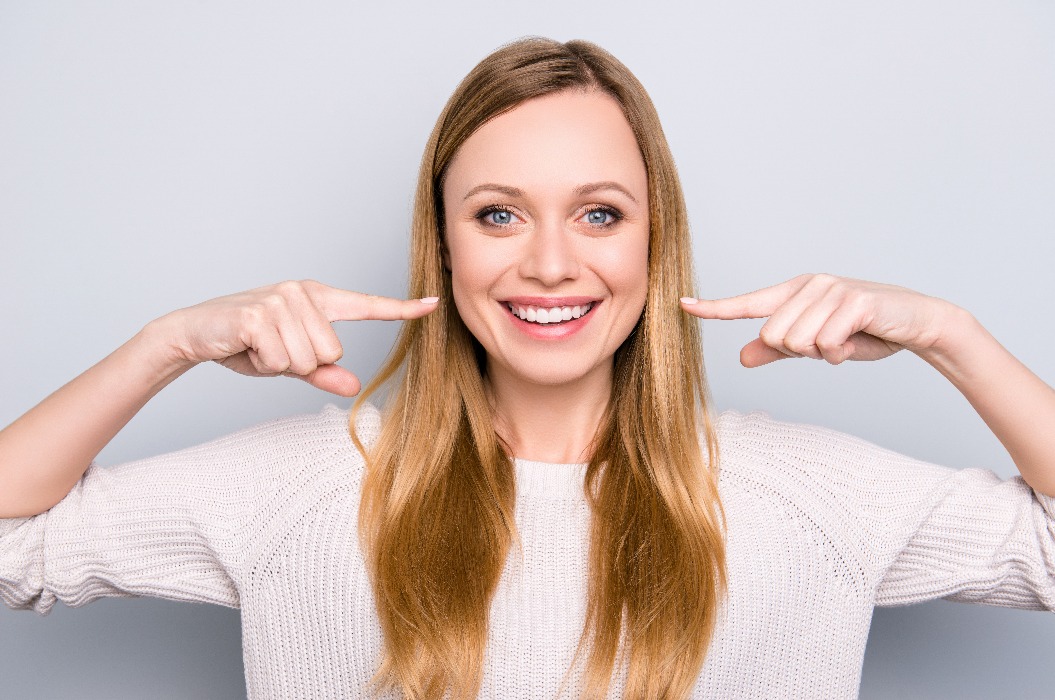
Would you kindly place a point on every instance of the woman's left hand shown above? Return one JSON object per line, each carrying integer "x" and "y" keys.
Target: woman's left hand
{"x": 839, "y": 319}
{"x": 833, "y": 318}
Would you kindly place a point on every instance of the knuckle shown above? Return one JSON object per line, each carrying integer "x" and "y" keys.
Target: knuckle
{"x": 288, "y": 288}
{"x": 264, "y": 366}
{"x": 303, "y": 367}
{"x": 844, "y": 289}
{"x": 769, "y": 336}
{"x": 253, "y": 315}
{"x": 274, "y": 301}
{"x": 833, "y": 358}
{"x": 330, "y": 355}
{"x": 310, "y": 288}
{"x": 822, "y": 280}
{"x": 271, "y": 359}
{"x": 279, "y": 366}
{"x": 860, "y": 303}
{"x": 828, "y": 346}
{"x": 799, "y": 346}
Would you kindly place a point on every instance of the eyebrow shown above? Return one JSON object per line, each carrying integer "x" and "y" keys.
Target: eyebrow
{"x": 581, "y": 190}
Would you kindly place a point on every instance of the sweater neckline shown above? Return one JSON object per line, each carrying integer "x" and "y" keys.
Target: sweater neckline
{"x": 548, "y": 480}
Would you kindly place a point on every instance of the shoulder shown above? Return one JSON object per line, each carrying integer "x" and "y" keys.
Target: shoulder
{"x": 328, "y": 428}
{"x": 325, "y": 432}
{"x": 809, "y": 463}
{"x": 299, "y": 461}
{"x": 757, "y": 437}
{"x": 288, "y": 448}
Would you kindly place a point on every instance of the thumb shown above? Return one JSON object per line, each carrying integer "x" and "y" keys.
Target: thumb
{"x": 756, "y": 353}
{"x": 332, "y": 378}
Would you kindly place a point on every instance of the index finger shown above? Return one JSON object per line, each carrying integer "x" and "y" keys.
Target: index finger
{"x": 345, "y": 305}
{"x": 757, "y": 304}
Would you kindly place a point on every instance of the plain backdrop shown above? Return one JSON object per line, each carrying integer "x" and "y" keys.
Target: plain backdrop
{"x": 157, "y": 154}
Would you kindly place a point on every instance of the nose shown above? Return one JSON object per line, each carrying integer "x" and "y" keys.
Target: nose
{"x": 549, "y": 254}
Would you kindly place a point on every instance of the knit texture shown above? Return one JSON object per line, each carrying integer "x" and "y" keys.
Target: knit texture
{"x": 821, "y": 527}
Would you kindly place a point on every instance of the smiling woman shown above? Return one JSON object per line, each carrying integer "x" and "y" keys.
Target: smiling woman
{"x": 547, "y": 188}
{"x": 539, "y": 508}
{"x": 575, "y": 235}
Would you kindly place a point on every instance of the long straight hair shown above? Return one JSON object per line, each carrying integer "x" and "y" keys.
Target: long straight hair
{"x": 436, "y": 520}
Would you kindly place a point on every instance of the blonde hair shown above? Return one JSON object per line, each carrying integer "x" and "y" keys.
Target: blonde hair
{"x": 437, "y": 513}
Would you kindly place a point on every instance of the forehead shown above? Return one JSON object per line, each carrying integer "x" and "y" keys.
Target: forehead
{"x": 555, "y": 142}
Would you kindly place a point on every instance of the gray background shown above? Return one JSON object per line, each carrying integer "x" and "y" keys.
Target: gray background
{"x": 153, "y": 155}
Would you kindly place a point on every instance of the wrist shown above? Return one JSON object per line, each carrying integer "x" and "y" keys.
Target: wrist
{"x": 961, "y": 341}
{"x": 158, "y": 346}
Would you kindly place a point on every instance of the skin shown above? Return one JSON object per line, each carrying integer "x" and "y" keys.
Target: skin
{"x": 837, "y": 319}
{"x": 548, "y": 395}
{"x": 281, "y": 329}
{"x": 551, "y": 239}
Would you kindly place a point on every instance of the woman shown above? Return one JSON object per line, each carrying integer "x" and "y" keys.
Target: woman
{"x": 546, "y": 505}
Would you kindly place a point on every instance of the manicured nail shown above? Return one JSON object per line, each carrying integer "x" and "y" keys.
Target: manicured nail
{"x": 429, "y": 300}
{"x": 689, "y": 300}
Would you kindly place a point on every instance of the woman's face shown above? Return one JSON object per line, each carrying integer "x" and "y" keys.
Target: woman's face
{"x": 547, "y": 235}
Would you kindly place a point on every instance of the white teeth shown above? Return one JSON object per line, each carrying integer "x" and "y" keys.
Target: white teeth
{"x": 554, "y": 314}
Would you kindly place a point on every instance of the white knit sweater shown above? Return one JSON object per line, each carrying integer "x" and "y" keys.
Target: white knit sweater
{"x": 821, "y": 527}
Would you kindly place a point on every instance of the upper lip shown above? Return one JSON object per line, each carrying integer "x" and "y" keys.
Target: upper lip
{"x": 550, "y": 302}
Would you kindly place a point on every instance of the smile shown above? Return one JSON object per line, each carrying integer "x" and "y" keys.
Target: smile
{"x": 554, "y": 314}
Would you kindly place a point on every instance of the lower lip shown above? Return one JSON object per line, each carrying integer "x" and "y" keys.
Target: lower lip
{"x": 552, "y": 331}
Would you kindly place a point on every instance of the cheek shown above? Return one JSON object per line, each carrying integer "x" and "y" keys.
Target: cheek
{"x": 474, "y": 271}
{"x": 627, "y": 277}
{"x": 626, "y": 269}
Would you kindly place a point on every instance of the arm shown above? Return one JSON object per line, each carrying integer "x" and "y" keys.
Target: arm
{"x": 180, "y": 526}
{"x": 836, "y": 319}
{"x": 47, "y": 450}
{"x": 1015, "y": 403}
{"x": 280, "y": 329}
{"x": 893, "y": 530}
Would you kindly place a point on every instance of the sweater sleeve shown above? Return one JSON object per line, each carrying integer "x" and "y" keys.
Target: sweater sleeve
{"x": 911, "y": 531}
{"x": 176, "y": 526}
{"x": 968, "y": 536}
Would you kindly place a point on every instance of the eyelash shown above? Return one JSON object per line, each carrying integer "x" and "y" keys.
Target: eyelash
{"x": 482, "y": 215}
{"x": 616, "y": 216}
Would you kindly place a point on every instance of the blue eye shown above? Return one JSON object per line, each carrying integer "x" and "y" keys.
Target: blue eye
{"x": 602, "y": 217}
{"x": 496, "y": 216}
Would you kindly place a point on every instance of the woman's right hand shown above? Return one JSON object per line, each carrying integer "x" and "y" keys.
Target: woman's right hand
{"x": 281, "y": 329}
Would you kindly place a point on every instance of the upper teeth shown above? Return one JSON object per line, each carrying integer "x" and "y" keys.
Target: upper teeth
{"x": 538, "y": 314}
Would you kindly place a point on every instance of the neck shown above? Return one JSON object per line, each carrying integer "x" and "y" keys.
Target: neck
{"x": 549, "y": 423}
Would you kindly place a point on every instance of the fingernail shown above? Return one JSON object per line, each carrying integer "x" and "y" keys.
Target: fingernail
{"x": 429, "y": 300}
{"x": 689, "y": 300}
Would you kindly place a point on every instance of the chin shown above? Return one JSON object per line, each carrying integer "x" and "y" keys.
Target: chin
{"x": 554, "y": 378}
{"x": 549, "y": 372}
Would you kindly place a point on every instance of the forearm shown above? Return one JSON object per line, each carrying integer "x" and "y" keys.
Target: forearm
{"x": 1016, "y": 404}
{"x": 46, "y": 451}
{"x": 280, "y": 329}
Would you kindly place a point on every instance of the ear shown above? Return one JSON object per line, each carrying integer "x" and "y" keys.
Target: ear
{"x": 446, "y": 255}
